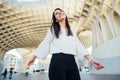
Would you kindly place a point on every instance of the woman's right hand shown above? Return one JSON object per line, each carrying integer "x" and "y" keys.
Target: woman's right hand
{"x": 31, "y": 61}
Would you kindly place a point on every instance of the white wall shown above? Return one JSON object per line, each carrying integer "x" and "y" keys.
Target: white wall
{"x": 109, "y": 49}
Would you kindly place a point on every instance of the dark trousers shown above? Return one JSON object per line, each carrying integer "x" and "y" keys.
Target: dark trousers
{"x": 63, "y": 67}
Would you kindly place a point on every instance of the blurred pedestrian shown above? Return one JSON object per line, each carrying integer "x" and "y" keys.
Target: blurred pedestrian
{"x": 11, "y": 72}
{"x": 4, "y": 74}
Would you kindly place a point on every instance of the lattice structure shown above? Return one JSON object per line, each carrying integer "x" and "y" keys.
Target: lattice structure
{"x": 24, "y": 24}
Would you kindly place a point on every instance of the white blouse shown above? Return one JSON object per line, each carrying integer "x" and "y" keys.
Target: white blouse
{"x": 65, "y": 44}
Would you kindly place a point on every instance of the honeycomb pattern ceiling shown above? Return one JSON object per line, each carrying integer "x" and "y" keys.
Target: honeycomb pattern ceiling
{"x": 24, "y": 23}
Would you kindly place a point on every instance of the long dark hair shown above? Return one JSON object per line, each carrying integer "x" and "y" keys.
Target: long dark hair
{"x": 55, "y": 27}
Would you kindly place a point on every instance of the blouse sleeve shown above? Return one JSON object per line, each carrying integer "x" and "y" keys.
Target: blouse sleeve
{"x": 42, "y": 50}
{"x": 81, "y": 51}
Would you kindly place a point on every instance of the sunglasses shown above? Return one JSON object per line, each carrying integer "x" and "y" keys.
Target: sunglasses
{"x": 58, "y": 12}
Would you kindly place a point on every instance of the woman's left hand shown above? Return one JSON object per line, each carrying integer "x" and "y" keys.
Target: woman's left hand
{"x": 97, "y": 64}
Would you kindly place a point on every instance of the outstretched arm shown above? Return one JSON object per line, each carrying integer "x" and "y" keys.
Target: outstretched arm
{"x": 81, "y": 51}
{"x": 43, "y": 48}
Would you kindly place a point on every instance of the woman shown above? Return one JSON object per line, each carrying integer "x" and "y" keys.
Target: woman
{"x": 63, "y": 44}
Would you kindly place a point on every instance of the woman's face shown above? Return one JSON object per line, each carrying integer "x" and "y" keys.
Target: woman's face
{"x": 59, "y": 15}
